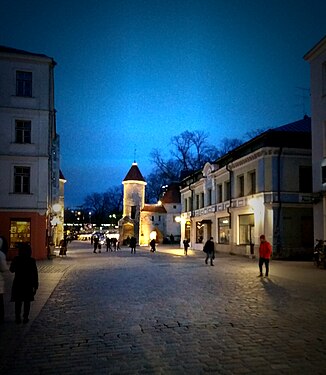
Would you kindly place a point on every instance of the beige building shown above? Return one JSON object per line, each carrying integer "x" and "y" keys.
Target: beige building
{"x": 29, "y": 150}
{"x": 262, "y": 186}
{"x": 317, "y": 59}
{"x": 148, "y": 221}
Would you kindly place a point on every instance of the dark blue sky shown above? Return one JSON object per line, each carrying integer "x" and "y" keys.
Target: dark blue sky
{"x": 133, "y": 73}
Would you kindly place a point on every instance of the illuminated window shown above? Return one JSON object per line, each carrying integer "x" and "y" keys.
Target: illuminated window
{"x": 246, "y": 224}
{"x": 224, "y": 230}
{"x": 187, "y": 229}
{"x": 199, "y": 232}
{"x": 22, "y": 180}
{"x": 20, "y": 231}
{"x": 23, "y": 131}
{"x": 23, "y": 83}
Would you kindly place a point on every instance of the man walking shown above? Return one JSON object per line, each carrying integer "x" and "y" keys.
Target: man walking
{"x": 209, "y": 249}
{"x": 265, "y": 252}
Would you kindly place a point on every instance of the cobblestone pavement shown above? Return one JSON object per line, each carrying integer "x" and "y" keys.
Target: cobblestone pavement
{"x": 162, "y": 313}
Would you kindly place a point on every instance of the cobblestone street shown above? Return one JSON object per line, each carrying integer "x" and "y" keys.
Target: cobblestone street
{"x": 163, "y": 313}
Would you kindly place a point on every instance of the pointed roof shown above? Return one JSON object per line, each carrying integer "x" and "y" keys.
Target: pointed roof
{"x": 172, "y": 195}
{"x": 134, "y": 174}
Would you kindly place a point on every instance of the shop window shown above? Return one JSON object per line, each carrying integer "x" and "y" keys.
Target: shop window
{"x": 187, "y": 229}
{"x": 224, "y": 230}
{"x": 199, "y": 232}
{"x": 20, "y": 231}
{"x": 246, "y": 224}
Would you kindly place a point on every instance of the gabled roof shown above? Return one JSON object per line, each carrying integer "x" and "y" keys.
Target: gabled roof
{"x": 316, "y": 49}
{"x": 154, "y": 208}
{"x": 172, "y": 195}
{"x": 15, "y": 51}
{"x": 134, "y": 174}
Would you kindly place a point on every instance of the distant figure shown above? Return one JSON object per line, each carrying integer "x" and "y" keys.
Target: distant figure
{"x": 185, "y": 246}
{"x": 25, "y": 282}
{"x": 209, "y": 249}
{"x": 3, "y": 268}
{"x": 133, "y": 244}
{"x": 114, "y": 243}
{"x": 265, "y": 252}
{"x": 153, "y": 245}
{"x": 96, "y": 241}
{"x": 108, "y": 244}
{"x": 172, "y": 238}
{"x": 63, "y": 246}
{"x": 118, "y": 245}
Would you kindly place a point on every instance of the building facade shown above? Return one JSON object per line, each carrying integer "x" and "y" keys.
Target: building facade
{"x": 29, "y": 150}
{"x": 262, "y": 187}
{"x": 317, "y": 59}
{"x": 148, "y": 221}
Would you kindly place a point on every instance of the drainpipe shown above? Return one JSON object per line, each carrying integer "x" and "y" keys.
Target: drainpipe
{"x": 230, "y": 195}
{"x": 279, "y": 208}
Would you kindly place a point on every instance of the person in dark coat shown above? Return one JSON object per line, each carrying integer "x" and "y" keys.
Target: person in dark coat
{"x": 25, "y": 282}
{"x": 209, "y": 249}
{"x": 153, "y": 245}
{"x": 185, "y": 246}
{"x": 133, "y": 244}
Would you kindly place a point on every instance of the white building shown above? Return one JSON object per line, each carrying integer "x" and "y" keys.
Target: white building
{"x": 262, "y": 187}
{"x": 29, "y": 149}
{"x": 148, "y": 221}
{"x": 317, "y": 59}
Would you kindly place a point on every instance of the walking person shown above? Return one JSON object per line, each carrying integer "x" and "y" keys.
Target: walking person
{"x": 153, "y": 245}
{"x": 133, "y": 244}
{"x": 185, "y": 246}
{"x": 25, "y": 282}
{"x": 108, "y": 244}
{"x": 3, "y": 268}
{"x": 265, "y": 252}
{"x": 209, "y": 249}
{"x": 96, "y": 241}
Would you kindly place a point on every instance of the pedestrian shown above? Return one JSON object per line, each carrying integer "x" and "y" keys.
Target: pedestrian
{"x": 209, "y": 249}
{"x": 3, "y": 268}
{"x": 185, "y": 246}
{"x": 133, "y": 244}
{"x": 25, "y": 282}
{"x": 108, "y": 244}
{"x": 152, "y": 245}
{"x": 265, "y": 252}
{"x": 63, "y": 246}
{"x": 95, "y": 242}
{"x": 114, "y": 243}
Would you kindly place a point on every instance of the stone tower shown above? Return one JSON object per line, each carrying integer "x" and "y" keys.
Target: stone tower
{"x": 133, "y": 202}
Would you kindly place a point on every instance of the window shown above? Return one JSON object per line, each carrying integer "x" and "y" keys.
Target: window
{"x": 252, "y": 182}
{"x": 22, "y": 180}
{"x": 20, "y": 231}
{"x": 23, "y": 131}
{"x": 224, "y": 230}
{"x": 133, "y": 212}
{"x": 185, "y": 205}
{"x": 197, "y": 201}
{"x": 202, "y": 197}
{"x": 199, "y": 232}
{"x": 209, "y": 197}
{"x": 305, "y": 179}
{"x": 152, "y": 218}
{"x": 241, "y": 186}
{"x": 23, "y": 83}
{"x": 246, "y": 224}
{"x": 187, "y": 229}
{"x": 189, "y": 204}
{"x": 219, "y": 195}
{"x": 227, "y": 190}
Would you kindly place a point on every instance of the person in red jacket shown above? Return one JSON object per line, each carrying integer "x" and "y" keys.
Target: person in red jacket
{"x": 265, "y": 252}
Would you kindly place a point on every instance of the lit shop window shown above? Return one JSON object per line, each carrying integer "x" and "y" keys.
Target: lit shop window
{"x": 224, "y": 230}
{"x": 20, "y": 231}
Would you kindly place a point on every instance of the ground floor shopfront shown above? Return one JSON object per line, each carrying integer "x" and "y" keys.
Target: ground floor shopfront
{"x": 236, "y": 228}
{"x": 31, "y": 227}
